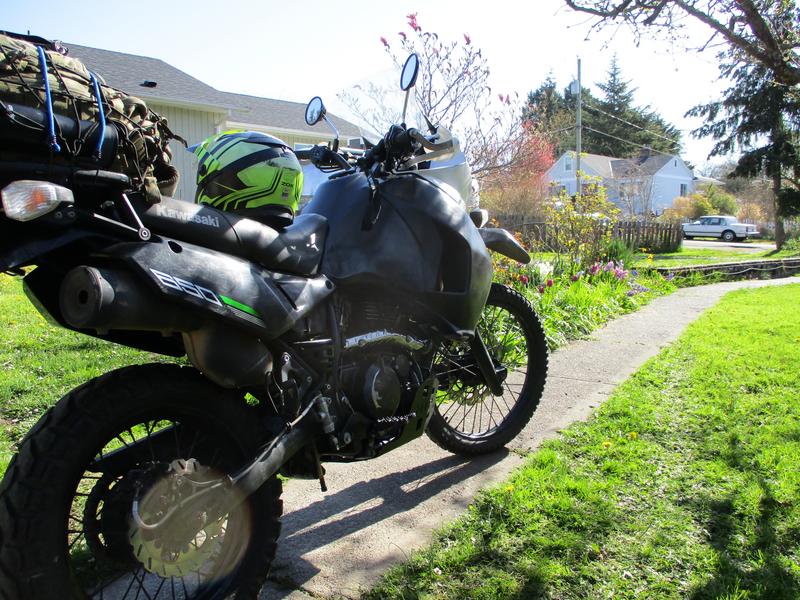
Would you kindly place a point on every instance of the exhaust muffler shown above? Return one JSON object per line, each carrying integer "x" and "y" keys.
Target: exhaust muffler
{"x": 104, "y": 299}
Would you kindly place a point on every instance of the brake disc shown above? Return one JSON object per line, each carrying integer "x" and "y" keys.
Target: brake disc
{"x": 184, "y": 553}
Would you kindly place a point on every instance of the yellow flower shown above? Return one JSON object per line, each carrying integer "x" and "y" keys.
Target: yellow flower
{"x": 509, "y": 488}
{"x": 633, "y": 435}
{"x": 607, "y": 444}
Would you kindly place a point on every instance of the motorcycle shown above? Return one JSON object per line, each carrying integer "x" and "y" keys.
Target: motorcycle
{"x": 368, "y": 321}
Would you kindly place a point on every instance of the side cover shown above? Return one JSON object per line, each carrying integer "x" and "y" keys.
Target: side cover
{"x": 237, "y": 291}
{"x": 414, "y": 239}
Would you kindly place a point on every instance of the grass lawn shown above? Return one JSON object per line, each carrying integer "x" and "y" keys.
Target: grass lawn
{"x": 686, "y": 483}
{"x": 706, "y": 256}
{"x": 39, "y": 363}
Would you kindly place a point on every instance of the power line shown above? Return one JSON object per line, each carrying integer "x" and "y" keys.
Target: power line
{"x": 653, "y": 133}
{"x": 627, "y": 141}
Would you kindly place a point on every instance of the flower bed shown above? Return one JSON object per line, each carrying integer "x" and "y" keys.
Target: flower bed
{"x": 572, "y": 305}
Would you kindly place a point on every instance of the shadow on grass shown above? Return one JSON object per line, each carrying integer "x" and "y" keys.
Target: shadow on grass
{"x": 747, "y": 566}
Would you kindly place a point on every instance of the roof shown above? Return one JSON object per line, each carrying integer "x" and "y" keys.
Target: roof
{"x": 269, "y": 112}
{"x": 599, "y": 164}
{"x": 128, "y": 72}
{"x": 632, "y": 167}
{"x": 609, "y": 167}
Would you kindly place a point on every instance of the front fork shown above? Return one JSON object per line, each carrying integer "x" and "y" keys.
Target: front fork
{"x": 492, "y": 375}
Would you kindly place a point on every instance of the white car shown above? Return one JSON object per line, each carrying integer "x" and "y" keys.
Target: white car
{"x": 720, "y": 226}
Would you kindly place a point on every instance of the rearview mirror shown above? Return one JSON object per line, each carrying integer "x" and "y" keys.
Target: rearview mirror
{"x": 315, "y": 111}
{"x": 409, "y": 75}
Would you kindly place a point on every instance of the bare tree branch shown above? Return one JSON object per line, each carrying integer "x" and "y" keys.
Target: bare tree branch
{"x": 747, "y": 25}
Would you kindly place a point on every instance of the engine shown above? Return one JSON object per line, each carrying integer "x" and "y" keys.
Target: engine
{"x": 378, "y": 372}
{"x": 380, "y": 384}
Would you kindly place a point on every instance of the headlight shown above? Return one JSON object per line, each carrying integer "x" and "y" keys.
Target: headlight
{"x": 27, "y": 200}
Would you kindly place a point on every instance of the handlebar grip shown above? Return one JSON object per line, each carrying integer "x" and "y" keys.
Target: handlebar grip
{"x": 303, "y": 154}
{"x": 373, "y": 155}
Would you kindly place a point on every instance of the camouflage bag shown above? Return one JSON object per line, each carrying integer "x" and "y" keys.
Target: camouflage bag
{"x": 125, "y": 136}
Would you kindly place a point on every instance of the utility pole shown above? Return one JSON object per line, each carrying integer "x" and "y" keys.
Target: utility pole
{"x": 578, "y": 137}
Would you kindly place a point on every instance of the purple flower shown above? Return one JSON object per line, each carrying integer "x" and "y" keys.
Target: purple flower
{"x": 549, "y": 283}
{"x": 670, "y": 276}
{"x": 541, "y": 289}
{"x": 637, "y": 288}
{"x": 594, "y": 269}
{"x": 620, "y": 273}
{"x": 609, "y": 266}
{"x": 634, "y": 273}
{"x": 524, "y": 279}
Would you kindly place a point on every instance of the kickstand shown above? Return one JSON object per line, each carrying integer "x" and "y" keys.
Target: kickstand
{"x": 320, "y": 469}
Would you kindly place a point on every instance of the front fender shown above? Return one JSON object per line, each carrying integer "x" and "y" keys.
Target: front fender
{"x": 503, "y": 242}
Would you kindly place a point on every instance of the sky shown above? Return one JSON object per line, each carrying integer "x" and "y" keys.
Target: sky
{"x": 295, "y": 50}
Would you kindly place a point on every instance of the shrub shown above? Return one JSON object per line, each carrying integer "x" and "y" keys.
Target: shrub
{"x": 578, "y": 225}
{"x": 617, "y": 250}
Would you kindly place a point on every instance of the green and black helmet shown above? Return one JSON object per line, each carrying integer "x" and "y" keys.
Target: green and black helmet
{"x": 248, "y": 172}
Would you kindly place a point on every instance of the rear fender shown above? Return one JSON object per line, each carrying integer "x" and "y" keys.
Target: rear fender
{"x": 503, "y": 242}
{"x": 23, "y": 245}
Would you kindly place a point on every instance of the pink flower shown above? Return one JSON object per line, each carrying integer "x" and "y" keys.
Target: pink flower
{"x": 384, "y": 42}
{"x": 549, "y": 283}
{"x": 575, "y": 277}
{"x": 467, "y": 39}
{"x": 412, "y": 21}
{"x": 594, "y": 269}
{"x": 609, "y": 266}
{"x": 524, "y": 279}
{"x": 541, "y": 289}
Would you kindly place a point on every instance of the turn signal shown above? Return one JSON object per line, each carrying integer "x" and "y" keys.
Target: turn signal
{"x": 27, "y": 200}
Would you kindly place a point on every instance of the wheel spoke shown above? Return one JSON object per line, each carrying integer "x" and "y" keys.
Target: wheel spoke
{"x": 465, "y": 404}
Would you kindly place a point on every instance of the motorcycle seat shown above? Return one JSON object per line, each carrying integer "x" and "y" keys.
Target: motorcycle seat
{"x": 296, "y": 248}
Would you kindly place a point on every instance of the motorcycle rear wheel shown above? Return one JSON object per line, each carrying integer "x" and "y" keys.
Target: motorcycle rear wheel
{"x": 469, "y": 420}
{"x": 65, "y": 507}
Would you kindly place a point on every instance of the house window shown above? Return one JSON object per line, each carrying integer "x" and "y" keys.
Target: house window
{"x": 568, "y": 163}
{"x": 684, "y": 189}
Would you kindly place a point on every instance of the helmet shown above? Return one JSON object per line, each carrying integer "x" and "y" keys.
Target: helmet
{"x": 248, "y": 172}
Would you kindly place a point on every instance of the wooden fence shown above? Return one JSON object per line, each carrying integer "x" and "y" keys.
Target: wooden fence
{"x": 656, "y": 237}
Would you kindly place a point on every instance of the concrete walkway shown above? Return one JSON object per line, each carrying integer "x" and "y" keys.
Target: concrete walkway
{"x": 377, "y": 512}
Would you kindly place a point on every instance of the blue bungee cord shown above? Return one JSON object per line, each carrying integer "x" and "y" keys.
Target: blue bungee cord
{"x": 99, "y": 151}
{"x": 48, "y": 101}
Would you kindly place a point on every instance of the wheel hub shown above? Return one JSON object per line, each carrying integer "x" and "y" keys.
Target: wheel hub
{"x": 174, "y": 552}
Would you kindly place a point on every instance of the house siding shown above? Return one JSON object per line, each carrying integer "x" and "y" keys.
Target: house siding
{"x": 194, "y": 126}
{"x": 662, "y": 188}
{"x": 559, "y": 176}
{"x": 667, "y": 184}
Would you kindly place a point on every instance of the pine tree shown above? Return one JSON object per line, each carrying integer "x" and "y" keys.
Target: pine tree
{"x": 627, "y": 128}
{"x": 612, "y": 125}
{"x": 761, "y": 117}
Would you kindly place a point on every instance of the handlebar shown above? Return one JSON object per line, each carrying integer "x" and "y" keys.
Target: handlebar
{"x": 398, "y": 143}
{"x": 322, "y": 156}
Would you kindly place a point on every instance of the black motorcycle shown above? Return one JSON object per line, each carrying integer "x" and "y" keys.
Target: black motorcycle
{"x": 369, "y": 320}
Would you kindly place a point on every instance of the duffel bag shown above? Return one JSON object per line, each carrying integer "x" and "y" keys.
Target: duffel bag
{"x": 54, "y": 109}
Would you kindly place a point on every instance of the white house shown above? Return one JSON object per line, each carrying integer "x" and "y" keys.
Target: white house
{"x": 196, "y": 110}
{"x": 638, "y": 186}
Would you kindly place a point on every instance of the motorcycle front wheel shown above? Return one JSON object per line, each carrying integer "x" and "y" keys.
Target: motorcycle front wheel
{"x": 144, "y": 437}
{"x": 468, "y": 419}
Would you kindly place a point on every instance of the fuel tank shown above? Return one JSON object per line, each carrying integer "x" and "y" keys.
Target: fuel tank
{"x": 422, "y": 244}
